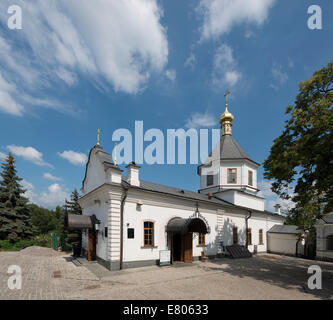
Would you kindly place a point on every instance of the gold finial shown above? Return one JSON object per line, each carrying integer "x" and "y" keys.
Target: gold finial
{"x": 115, "y": 154}
{"x": 226, "y": 118}
{"x": 97, "y": 144}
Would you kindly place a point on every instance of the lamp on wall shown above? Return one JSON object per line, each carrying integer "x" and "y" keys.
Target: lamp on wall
{"x": 139, "y": 204}
{"x": 95, "y": 222}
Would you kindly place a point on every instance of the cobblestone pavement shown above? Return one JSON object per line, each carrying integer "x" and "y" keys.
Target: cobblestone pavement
{"x": 54, "y": 276}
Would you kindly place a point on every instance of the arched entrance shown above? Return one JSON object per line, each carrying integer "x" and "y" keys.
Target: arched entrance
{"x": 83, "y": 222}
{"x": 180, "y": 235}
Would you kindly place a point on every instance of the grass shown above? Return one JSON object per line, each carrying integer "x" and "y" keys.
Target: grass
{"x": 40, "y": 240}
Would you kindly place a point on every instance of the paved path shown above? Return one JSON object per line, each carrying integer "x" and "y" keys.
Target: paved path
{"x": 53, "y": 276}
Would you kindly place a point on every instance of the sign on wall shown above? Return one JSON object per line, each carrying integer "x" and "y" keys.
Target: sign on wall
{"x": 165, "y": 257}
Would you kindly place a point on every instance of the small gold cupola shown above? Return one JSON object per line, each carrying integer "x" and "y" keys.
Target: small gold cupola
{"x": 226, "y": 118}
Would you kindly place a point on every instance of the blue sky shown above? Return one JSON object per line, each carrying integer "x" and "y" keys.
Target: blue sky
{"x": 78, "y": 66}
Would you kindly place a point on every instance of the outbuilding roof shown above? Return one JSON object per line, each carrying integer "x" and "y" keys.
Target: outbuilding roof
{"x": 286, "y": 229}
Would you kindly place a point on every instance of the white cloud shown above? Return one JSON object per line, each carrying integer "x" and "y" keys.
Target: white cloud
{"x": 54, "y": 196}
{"x": 249, "y": 34}
{"x": 29, "y": 153}
{"x": 121, "y": 43}
{"x": 225, "y": 71}
{"x": 278, "y": 74}
{"x": 67, "y": 76}
{"x": 8, "y": 103}
{"x": 73, "y": 157}
{"x": 265, "y": 189}
{"x": 171, "y": 75}
{"x": 3, "y": 156}
{"x": 272, "y": 198}
{"x": 200, "y": 120}
{"x": 280, "y": 77}
{"x": 190, "y": 61}
{"x": 219, "y": 16}
{"x": 51, "y": 177}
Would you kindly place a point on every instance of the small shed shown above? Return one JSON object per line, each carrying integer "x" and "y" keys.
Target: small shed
{"x": 324, "y": 230}
{"x": 285, "y": 239}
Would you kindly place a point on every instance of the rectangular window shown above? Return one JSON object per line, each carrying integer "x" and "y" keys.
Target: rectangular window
{"x": 249, "y": 236}
{"x": 210, "y": 180}
{"x": 202, "y": 239}
{"x": 250, "y": 182}
{"x": 106, "y": 232}
{"x": 235, "y": 235}
{"x": 232, "y": 175}
{"x": 148, "y": 234}
{"x": 130, "y": 233}
{"x": 261, "y": 238}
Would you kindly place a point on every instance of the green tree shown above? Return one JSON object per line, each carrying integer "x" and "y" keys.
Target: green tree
{"x": 59, "y": 216}
{"x": 45, "y": 220}
{"x": 73, "y": 207}
{"x": 303, "y": 154}
{"x": 14, "y": 210}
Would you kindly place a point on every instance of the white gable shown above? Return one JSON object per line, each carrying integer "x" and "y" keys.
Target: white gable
{"x": 95, "y": 172}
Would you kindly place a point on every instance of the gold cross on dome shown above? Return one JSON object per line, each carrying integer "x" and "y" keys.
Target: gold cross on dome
{"x": 226, "y": 96}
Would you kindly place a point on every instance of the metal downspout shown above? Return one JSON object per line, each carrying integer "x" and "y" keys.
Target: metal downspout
{"x": 122, "y": 227}
{"x": 247, "y": 229}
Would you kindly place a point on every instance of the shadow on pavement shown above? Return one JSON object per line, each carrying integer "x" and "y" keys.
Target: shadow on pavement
{"x": 285, "y": 272}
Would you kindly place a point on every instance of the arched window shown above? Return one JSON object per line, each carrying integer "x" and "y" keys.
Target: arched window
{"x": 249, "y": 236}
{"x": 235, "y": 235}
{"x": 148, "y": 234}
{"x": 329, "y": 242}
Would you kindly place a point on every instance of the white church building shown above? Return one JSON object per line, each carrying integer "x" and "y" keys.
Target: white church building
{"x": 128, "y": 222}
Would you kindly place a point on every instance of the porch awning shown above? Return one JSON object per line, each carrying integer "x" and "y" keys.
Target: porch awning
{"x": 78, "y": 222}
{"x": 179, "y": 225}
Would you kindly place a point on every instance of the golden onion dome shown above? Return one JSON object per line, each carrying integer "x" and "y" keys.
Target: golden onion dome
{"x": 226, "y": 116}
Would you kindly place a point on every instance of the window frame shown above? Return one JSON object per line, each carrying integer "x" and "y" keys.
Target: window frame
{"x": 235, "y": 235}
{"x": 209, "y": 176}
{"x": 261, "y": 236}
{"x": 249, "y": 236}
{"x": 151, "y": 245}
{"x": 228, "y": 175}
{"x": 250, "y": 174}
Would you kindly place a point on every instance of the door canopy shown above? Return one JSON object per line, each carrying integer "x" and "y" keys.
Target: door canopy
{"x": 179, "y": 225}
{"x": 80, "y": 222}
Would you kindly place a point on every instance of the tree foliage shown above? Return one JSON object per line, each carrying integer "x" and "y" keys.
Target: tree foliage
{"x": 45, "y": 220}
{"x": 303, "y": 153}
{"x": 14, "y": 210}
{"x": 72, "y": 207}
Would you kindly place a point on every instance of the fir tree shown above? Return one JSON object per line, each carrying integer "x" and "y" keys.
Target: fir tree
{"x": 14, "y": 210}
{"x": 73, "y": 207}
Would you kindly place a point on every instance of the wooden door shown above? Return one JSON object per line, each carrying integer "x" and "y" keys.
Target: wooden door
{"x": 188, "y": 247}
{"x": 91, "y": 245}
